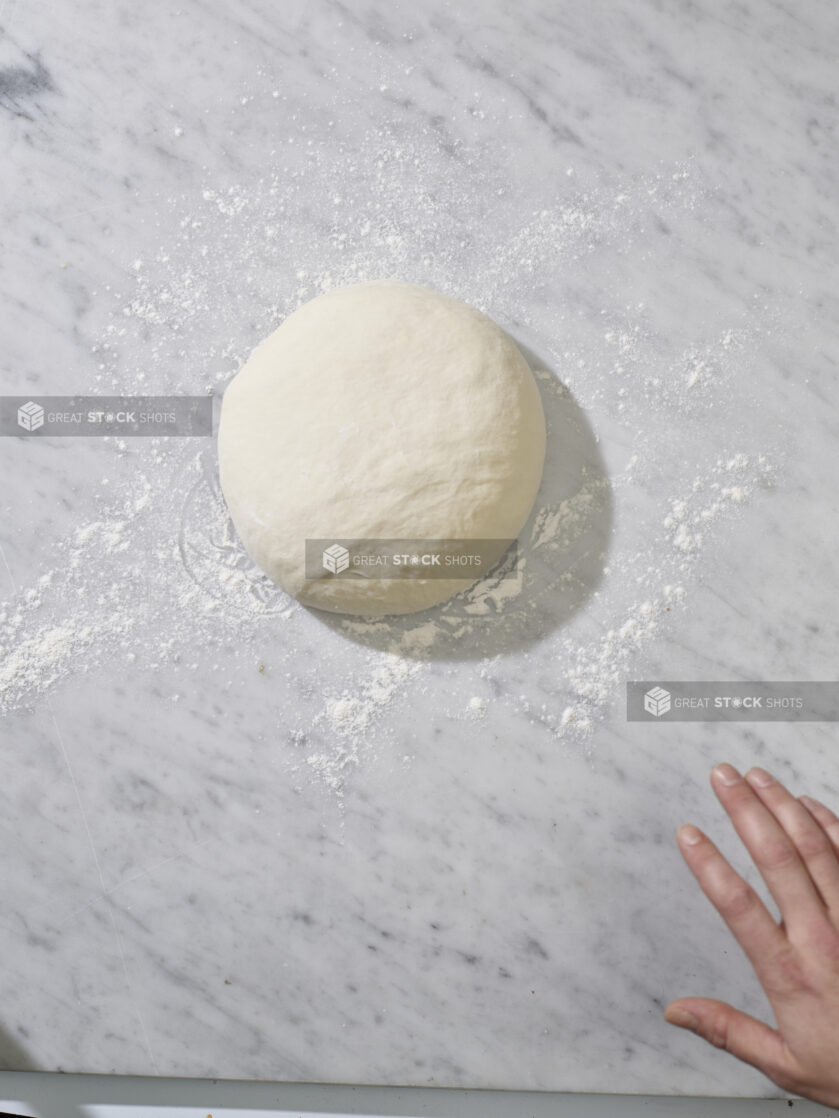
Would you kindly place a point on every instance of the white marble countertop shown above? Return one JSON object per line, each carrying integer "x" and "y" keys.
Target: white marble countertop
{"x": 241, "y": 840}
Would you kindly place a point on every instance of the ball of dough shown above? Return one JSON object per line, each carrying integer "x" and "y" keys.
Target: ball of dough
{"x": 382, "y": 410}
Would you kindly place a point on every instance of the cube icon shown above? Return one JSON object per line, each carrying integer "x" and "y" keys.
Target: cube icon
{"x": 657, "y": 701}
{"x": 336, "y": 559}
{"x": 30, "y": 417}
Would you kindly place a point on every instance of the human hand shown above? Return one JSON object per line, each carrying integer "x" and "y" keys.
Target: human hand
{"x": 795, "y": 845}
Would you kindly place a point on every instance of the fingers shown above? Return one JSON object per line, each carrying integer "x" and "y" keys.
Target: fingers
{"x": 773, "y": 851}
{"x": 824, "y": 817}
{"x": 812, "y": 844}
{"x": 747, "y": 917}
{"x": 740, "y": 1034}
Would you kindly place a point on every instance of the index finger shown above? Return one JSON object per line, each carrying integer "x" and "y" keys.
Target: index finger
{"x": 748, "y": 919}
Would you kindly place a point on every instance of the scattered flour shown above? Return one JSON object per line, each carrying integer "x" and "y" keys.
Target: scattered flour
{"x": 635, "y": 495}
{"x": 477, "y": 707}
{"x": 350, "y": 717}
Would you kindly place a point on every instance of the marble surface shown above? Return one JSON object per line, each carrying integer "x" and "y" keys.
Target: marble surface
{"x": 241, "y": 840}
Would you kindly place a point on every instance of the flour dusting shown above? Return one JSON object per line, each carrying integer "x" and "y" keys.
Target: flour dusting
{"x": 648, "y": 464}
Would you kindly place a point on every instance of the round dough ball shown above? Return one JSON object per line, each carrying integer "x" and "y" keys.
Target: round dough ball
{"x": 379, "y": 411}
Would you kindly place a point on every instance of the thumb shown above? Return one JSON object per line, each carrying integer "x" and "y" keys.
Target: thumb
{"x": 740, "y": 1034}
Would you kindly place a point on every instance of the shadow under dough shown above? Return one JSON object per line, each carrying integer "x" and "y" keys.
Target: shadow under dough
{"x": 561, "y": 554}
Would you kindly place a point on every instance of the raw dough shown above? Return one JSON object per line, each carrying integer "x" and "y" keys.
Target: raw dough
{"x": 382, "y": 410}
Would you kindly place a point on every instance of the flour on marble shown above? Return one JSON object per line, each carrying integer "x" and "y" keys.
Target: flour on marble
{"x": 227, "y": 274}
{"x": 350, "y": 718}
{"x": 477, "y": 707}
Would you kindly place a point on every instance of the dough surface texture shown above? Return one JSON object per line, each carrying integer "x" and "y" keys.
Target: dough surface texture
{"x": 383, "y": 410}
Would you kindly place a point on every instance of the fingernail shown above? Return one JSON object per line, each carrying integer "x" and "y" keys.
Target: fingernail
{"x": 760, "y": 777}
{"x": 678, "y": 1016}
{"x": 689, "y": 834}
{"x": 726, "y": 774}
{"x": 809, "y": 802}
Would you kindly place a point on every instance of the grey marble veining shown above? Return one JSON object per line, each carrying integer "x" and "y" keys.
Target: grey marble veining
{"x": 258, "y": 843}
